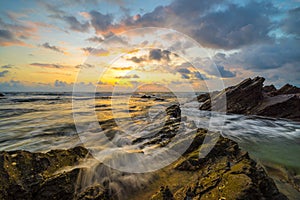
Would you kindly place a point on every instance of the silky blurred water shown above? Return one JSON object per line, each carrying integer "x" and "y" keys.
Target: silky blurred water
{"x": 44, "y": 121}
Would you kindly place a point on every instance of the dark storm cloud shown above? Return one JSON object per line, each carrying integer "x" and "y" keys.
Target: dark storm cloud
{"x": 75, "y": 25}
{"x": 184, "y": 71}
{"x": 8, "y": 38}
{"x": 154, "y": 54}
{"x": 158, "y": 54}
{"x": 291, "y": 24}
{"x": 235, "y": 27}
{"x": 231, "y": 28}
{"x": 6, "y": 34}
{"x": 226, "y": 73}
{"x": 200, "y": 76}
{"x": 137, "y": 59}
{"x": 268, "y": 56}
{"x": 4, "y": 73}
{"x": 101, "y": 22}
{"x": 46, "y": 45}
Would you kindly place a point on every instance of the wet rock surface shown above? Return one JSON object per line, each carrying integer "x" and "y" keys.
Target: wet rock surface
{"x": 225, "y": 173}
{"x": 26, "y": 175}
{"x": 250, "y": 97}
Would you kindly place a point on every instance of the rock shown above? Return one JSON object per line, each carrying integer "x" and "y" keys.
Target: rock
{"x": 287, "y": 89}
{"x": 168, "y": 131}
{"x": 26, "y": 175}
{"x": 225, "y": 173}
{"x": 289, "y": 109}
{"x": 163, "y": 194}
{"x": 251, "y": 98}
{"x": 2, "y": 95}
{"x": 203, "y": 97}
{"x": 269, "y": 88}
{"x": 241, "y": 98}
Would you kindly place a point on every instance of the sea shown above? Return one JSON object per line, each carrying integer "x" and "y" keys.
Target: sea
{"x": 39, "y": 122}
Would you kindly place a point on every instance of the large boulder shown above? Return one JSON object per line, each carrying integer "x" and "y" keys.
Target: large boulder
{"x": 225, "y": 173}
{"x": 250, "y": 97}
{"x": 26, "y": 175}
{"x": 287, "y": 89}
{"x": 240, "y": 99}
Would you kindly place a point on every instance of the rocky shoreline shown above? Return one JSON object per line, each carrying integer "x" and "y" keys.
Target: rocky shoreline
{"x": 226, "y": 172}
{"x": 251, "y": 97}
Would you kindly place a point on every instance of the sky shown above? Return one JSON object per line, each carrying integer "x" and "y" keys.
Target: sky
{"x": 108, "y": 45}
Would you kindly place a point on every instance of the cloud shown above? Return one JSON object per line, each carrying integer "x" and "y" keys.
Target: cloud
{"x": 158, "y": 54}
{"x": 94, "y": 51}
{"x": 7, "y": 38}
{"x": 267, "y": 56}
{"x": 4, "y": 73}
{"x": 53, "y": 48}
{"x": 225, "y": 73}
{"x": 85, "y": 65}
{"x": 48, "y": 65}
{"x": 59, "y": 83}
{"x": 14, "y": 34}
{"x": 6, "y": 66}
{"x": 215, "y": 24}
{"x": 101, "y": 22}
{"x": 199, "y": 76}
{"x": 184, "y": 71}
{"x": 52, "y": 8}
{"x": 237, "y": 26}
{"x": 154, "y": 54}
{"x": 128, "y": 76}
{"x": 291, "y": 24}
{"x": 137, "y": 59}
{"x": 121, "y": 68}
{"x": 95, "y": 39}
{"x": 75, "y": 25}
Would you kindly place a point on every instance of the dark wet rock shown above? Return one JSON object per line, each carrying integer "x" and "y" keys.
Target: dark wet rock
{"x": 240, "y": 98}
{"x": 203, "y": 97}
{"x": 146, "y": 97}
{"x": 2, "y": 95}
{"x": 287, "y": 89}
{"x": 269, "y": 88}
{"x": 168, "y": 131}
{"x": 251, "y": 98}
{"x": 289, "y": 109}
{"x": 163, "y": 194}
{"x": 225, "y": 173}
{"x": 26, "y": 175}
